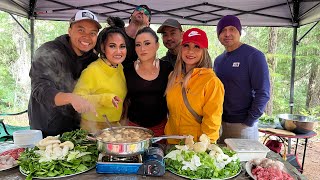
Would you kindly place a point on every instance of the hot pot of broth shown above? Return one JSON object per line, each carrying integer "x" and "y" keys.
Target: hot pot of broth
{"x": 128, "y": 140}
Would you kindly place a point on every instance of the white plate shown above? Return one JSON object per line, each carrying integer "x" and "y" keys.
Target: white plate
{"x": 205, "y": 179}
{"x": 9, "y": 168}
{"x": 249, "y": 168}
{"x": 8, "y": 146}
{"x": 56, "y": 177}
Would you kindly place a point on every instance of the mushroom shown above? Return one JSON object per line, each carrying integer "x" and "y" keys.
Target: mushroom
{"x": 216, "y": 148}
{"x": 204, "y": 138}
{"x": 57, "y": 152}
{"x": 48, "y": 151}
{"x": 189, "y": 141}
{"x": 67, "y": 145}
{"x": 200, "y": 147}
{"x": 48, "y": 140}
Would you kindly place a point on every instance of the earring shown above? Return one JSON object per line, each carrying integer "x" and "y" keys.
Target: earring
{"x": 137, "y": 64}
{"x": 154, "y": 62}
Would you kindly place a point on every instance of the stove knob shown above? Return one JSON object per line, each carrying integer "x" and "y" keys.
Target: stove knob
{"x": 155, "y": 169}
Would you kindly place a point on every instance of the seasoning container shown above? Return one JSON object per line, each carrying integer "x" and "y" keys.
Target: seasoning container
{"x": 247, "y": 149}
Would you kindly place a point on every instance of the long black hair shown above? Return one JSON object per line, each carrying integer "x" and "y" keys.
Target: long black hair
{"x": 116, "y": 25}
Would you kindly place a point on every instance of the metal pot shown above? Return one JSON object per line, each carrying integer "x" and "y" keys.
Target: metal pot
{"x": 132, "y": 148}
{"x": 297, "y": 123}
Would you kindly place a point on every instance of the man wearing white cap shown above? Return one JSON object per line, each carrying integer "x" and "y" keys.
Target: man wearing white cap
{"x": 55, "y": 68}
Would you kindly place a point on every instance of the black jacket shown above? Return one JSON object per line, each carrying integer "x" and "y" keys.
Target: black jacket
{"x": 55, "y": 68}
{"x": 170, "y": 57}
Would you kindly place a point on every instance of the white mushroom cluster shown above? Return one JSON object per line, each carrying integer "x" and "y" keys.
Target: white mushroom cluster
{"x": 215, "y": 152}
{"x": 51, "y": 148}
{"x": 201, "y": 146}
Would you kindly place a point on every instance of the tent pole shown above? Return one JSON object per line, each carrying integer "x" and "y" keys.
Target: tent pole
{"x": 293, "y": 67}
{"x": 32, "y": 36}
{"x": 295, "y": 24}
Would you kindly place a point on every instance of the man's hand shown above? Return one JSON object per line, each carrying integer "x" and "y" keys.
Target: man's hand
{"x": 81, "y": 105}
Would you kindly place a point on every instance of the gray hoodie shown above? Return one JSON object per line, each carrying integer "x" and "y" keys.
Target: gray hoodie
{"x": 55, "y": 68}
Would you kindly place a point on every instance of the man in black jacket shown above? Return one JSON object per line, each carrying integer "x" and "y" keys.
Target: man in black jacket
{"x": 56, "y": 66}
{"x": 172, "y": 33}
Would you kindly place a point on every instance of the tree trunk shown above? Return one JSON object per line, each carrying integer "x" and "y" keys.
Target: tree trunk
{"x": 313, "y": 94}
{"x": 272, "y": 46}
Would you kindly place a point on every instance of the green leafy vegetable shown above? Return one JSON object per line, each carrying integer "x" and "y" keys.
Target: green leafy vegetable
{"x": 206, "y": 169}
{"x": 81, "y": 158}
{"x": 265, "y": 119}
{"x": 76, "y": 136}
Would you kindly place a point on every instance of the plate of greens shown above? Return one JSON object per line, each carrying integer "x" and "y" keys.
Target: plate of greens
{"x": 211, "y": 164}
{"x": 56, "y": 177}
{"x": 57, "y": 157}
{"x": 184, "y": 176}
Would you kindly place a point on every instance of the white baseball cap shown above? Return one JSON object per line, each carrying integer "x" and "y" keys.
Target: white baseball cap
{"x": 85, "y": 14}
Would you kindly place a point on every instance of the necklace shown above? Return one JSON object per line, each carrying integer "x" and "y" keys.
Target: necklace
{"x": 109, "y": 64}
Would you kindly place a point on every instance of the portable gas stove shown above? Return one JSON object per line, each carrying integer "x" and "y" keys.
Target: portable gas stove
{"x": 150, "y": 163}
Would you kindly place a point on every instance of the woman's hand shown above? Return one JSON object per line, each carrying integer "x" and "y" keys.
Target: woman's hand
{"x": 115, "y": 101}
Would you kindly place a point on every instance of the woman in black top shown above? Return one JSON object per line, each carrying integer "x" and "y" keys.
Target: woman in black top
{"x": 147, "y": 79}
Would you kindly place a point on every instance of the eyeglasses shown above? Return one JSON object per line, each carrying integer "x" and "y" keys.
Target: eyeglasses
{"x": 145, "y": 11}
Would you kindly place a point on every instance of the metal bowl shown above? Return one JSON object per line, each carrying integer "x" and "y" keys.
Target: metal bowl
{"x": 298, "y": 124}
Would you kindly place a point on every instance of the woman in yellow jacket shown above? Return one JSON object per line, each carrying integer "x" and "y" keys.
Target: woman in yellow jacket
{"x": 204, "y": 91}
{"x": 103, "y": 82}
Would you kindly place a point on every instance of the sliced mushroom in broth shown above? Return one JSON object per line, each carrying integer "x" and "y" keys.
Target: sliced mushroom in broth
{"x": 124, "y": 135}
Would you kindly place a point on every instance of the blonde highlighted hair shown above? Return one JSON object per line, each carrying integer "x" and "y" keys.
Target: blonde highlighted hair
{"x": 179, "y": 74}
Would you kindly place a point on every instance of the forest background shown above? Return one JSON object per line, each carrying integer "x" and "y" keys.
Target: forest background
{"x": 274, "y": 42}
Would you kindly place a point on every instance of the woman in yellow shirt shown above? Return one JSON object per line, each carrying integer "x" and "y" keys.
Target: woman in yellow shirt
{"x": 204, "y": 91}
{"x": 103, "y": 82}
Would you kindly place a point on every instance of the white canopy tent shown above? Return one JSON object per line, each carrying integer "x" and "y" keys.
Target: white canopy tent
{"x": 275, "y": 13}
{"x": 289, "y": 13}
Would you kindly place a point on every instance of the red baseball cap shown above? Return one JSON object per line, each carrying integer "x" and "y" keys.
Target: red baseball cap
{"x": 196, "y": 36}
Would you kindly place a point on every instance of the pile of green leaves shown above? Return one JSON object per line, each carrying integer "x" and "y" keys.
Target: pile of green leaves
{"x": 29, "y": 160}
{"x": 207, "y": 170}
{"x": 76, "y": 137}
{"x": 265, "y": 119}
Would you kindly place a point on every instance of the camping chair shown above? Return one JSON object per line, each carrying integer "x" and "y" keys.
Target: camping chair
{"x": 8, "y": 134}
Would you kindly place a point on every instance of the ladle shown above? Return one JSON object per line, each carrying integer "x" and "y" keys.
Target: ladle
{"x": 108, "y": 122}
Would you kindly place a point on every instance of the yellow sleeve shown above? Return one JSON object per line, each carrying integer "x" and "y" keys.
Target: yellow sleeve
{"x": 212, "y": 109}
{"x": 100, "y": 99}
{"x": 86, "y": 87}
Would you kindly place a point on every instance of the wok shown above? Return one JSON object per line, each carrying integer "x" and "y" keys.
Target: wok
{"x": 129, "y": 148}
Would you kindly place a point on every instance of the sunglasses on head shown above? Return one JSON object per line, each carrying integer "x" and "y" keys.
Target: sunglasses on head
{"x": 145, "y": 11}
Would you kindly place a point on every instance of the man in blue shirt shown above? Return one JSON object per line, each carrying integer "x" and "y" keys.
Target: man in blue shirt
{"x": 244, "y": 73}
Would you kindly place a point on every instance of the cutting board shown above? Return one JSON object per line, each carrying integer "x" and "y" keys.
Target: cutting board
{"x": 278, "y": 131}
